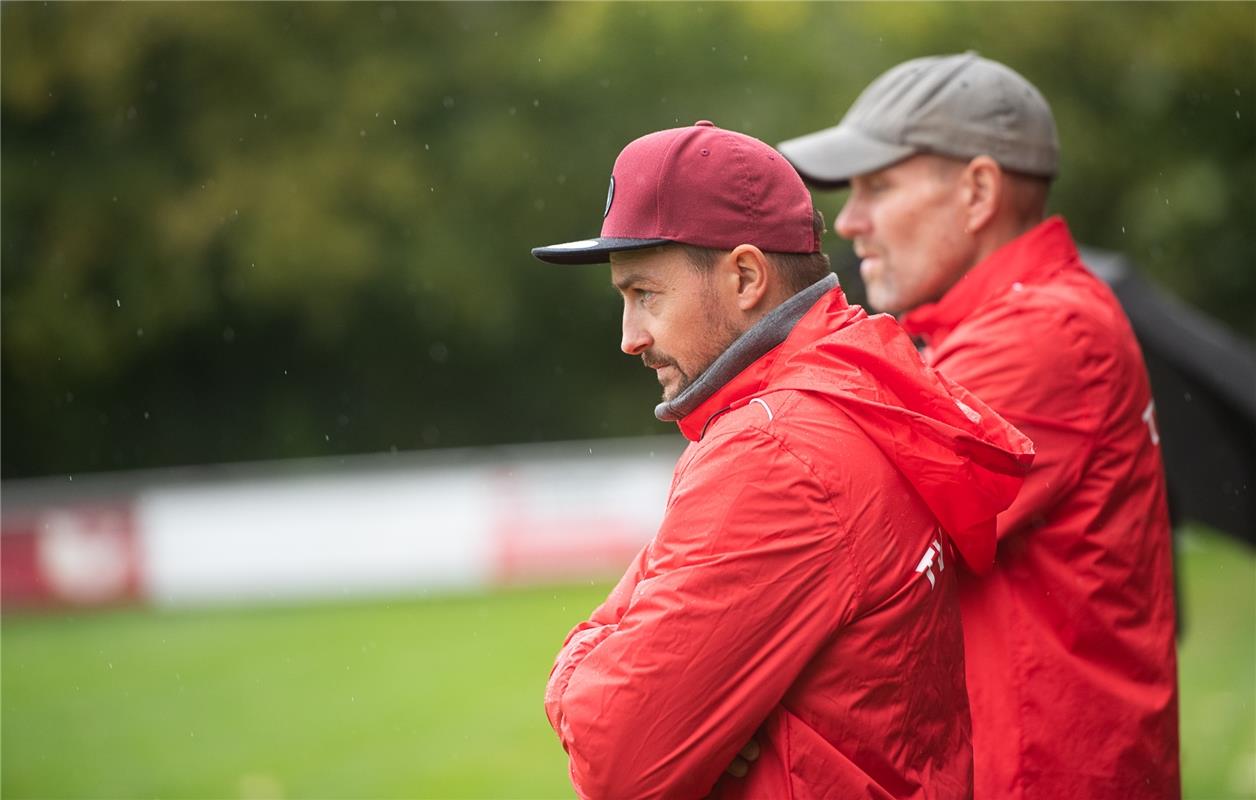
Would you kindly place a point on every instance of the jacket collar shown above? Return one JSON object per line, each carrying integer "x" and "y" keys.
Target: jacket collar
{"x": 1031, "y": 258}
{"x": 743, "y": 369}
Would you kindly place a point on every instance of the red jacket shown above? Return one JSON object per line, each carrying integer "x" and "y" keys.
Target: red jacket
{"x": 1070, "y": 640}
{"x": 799, "y": 590}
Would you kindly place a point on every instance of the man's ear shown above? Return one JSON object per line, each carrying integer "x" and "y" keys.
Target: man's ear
{"x": 754, "y": 276}
{"x": 983, "y": 192}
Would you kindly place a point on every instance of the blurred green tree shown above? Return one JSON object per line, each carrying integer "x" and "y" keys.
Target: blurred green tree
{"x": 245, "y": 231}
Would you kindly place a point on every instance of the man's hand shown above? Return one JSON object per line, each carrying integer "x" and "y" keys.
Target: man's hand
{"x": 741, "y": 763}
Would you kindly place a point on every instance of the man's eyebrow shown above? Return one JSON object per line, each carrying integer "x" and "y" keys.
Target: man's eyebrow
{"x": 628, "y": 280}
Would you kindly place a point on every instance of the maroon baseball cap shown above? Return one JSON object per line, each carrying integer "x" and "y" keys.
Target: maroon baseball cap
{"x": 699, "y": 185}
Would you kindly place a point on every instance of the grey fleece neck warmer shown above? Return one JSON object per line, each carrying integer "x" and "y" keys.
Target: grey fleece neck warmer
{"x": 744, "y": 351}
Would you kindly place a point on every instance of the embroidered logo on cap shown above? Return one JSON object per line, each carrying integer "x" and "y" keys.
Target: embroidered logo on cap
{"x": 610, "y": 195}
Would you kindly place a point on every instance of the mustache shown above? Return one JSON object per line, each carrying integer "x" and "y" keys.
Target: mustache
{"x": 656, "y": 360}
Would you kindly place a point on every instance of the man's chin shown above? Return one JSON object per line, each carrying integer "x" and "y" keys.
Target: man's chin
{"x": 673, "y": 390}
{"x": 882, "y": 303}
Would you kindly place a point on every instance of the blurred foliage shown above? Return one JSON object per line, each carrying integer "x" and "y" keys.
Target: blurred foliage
{"x": 242, "y": 231}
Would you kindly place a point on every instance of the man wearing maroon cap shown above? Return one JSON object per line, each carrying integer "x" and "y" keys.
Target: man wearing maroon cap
{"x": 800, "y": 592}
{"x": 1070, "y": 638}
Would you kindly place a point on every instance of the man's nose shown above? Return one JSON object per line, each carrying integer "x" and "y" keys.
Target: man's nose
{"x": 851, "y": 220}
{"x": 635, "y": 338}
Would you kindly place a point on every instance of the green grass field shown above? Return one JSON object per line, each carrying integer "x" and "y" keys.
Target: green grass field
{"x": 436, "y": 698}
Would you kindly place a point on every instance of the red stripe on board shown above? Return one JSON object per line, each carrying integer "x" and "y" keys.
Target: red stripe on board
{"x": 74, "y": 556}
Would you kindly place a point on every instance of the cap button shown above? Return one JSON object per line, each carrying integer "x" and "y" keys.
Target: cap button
{"x": 705, "y": 123}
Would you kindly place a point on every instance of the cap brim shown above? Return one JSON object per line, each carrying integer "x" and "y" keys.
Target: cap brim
{"x": 592, "y": 251}
{"x": 828, "y": 159}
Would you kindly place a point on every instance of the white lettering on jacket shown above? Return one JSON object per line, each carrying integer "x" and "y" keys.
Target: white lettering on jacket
{"x": 925, "y": 567}
{"x": 1149, "y": 417}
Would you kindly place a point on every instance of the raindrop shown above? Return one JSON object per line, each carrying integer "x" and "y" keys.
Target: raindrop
{"x": 145, "y": 415}
{"x": 536, "y": 103}
{"x": 362, "y": 133}
{"x": 117, "y": 302}
{"x": 139, "y": 333}
{"x": 326, "y": 437}
{"x": 1122, "y": 229}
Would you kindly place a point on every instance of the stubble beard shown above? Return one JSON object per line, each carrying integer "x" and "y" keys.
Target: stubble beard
{"x": 721, "y": 333}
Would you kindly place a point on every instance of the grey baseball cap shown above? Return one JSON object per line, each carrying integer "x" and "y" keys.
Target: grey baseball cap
{"x": 961, "y": 106}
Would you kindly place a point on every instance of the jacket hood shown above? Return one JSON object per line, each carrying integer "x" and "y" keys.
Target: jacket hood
{"x": 964, "y": 460}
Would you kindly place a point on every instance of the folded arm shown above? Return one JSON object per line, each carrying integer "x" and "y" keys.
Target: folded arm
{"x": 744, "y": 582}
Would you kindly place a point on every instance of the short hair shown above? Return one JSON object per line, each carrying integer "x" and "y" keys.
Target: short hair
{"x": 797, "y": 270}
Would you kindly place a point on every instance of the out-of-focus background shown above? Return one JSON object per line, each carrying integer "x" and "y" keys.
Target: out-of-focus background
{"x": 308, "y": 467}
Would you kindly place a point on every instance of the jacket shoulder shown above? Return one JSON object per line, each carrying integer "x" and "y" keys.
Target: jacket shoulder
{"x": 818, "y": 435}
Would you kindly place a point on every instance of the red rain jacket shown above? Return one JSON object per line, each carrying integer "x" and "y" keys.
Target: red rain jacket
{"x": 1070, "y": 640}
{"x": 799, "y": 590}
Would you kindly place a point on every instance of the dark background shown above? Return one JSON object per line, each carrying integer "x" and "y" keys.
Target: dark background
{"x": 252, "y": 231}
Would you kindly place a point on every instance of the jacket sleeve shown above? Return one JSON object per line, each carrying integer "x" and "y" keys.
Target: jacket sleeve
{"x": 585, "y": 636}
{"x": 1041, "y": 370}
{"x": 741, "y": 587}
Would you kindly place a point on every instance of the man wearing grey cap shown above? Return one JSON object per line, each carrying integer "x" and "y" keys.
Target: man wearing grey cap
{"x": 1069, "y": 641}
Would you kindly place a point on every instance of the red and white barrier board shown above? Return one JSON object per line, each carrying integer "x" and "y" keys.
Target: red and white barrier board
{"x": 387, "y": 525}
